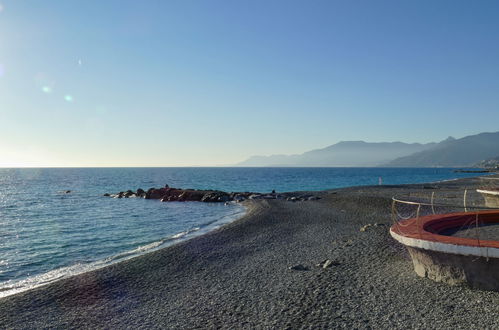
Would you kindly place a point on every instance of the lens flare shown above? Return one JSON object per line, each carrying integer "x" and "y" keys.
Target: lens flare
{"x": 44, "y": 82}
{"x": 1, "y": 7}
{"x": 68, "y": 98}
{"x": 1, "y": 70}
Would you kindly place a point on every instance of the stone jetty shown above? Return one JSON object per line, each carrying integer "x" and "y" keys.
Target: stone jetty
{"x": 168, "y": 194}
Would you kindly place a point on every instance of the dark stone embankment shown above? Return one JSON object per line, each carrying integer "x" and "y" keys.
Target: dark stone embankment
{"x": 168, "y": 194}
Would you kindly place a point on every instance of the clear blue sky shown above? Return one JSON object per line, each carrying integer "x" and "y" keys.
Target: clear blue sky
{"x": 174, "y": 83}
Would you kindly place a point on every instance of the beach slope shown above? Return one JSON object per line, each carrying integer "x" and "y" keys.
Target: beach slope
{"x": 239, "y": 276}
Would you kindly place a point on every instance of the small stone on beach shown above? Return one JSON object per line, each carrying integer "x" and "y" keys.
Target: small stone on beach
{"x": 364, "y": 228}
{"x": 327, "y": 263}
{"x": 299, "y": 267}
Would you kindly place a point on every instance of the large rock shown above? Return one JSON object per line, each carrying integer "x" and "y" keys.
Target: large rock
{"x": 129, "y": 194}
{"x": 160, "y": 193}
{"x": 181, "y": 195}
{"x": 215, "y": 196}
{"x": 192, "y": 195}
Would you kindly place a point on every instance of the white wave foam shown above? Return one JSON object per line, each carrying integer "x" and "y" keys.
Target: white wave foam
{"x": 12, "y": 287}
{"x": 181, "y": 234}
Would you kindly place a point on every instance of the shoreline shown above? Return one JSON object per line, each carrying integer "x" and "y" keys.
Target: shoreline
{"x": 238, "y": 276}
{"x": 68, "y": 271}
{"x": 44, "y": 279}
{"x": 61, "y": 273}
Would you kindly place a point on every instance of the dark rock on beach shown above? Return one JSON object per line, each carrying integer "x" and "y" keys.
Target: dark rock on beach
{"x": 299, "y": 267}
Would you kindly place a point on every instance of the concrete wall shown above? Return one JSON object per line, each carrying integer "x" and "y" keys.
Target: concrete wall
{"x": 477, "y": 272}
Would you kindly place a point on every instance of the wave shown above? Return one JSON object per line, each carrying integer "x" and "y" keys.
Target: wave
{"x": 12, "y": 286}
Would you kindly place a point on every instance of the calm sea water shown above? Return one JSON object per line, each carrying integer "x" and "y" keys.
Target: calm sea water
{"x": 46, "y": 234}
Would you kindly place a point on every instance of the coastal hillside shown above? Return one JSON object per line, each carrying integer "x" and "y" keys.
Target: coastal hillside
{"x": 464, "y": 152}
{"x": 346, "y": 153}
{"x": 488, "y": 163}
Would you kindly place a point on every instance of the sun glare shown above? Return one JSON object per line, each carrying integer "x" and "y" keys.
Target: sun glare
{"x": 30, "y": 157}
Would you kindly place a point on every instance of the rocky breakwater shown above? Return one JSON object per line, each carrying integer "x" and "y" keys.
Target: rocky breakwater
{"x": 168, "y": 194}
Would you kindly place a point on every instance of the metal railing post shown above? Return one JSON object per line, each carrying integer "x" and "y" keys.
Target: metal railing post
{"x": 464, "y": 200}
{"x": 432, "y": 197}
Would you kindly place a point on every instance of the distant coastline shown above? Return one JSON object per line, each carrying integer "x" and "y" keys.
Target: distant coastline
{"x": 466, "y": 152}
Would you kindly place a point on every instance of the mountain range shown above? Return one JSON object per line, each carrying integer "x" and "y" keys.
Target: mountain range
{"x": 463, "y": 152}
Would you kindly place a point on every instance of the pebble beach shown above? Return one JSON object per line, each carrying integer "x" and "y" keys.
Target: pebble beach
{"x": 282, "y": 265}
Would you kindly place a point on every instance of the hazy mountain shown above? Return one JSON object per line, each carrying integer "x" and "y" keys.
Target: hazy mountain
{"x": 463, "y": 152}
{"x": 347, "y": 153}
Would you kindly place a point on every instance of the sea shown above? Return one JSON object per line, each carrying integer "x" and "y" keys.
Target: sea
{"x": 55, "y": 222}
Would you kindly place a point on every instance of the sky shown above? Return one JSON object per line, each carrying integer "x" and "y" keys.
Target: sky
{"x": 210, "y": 83}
